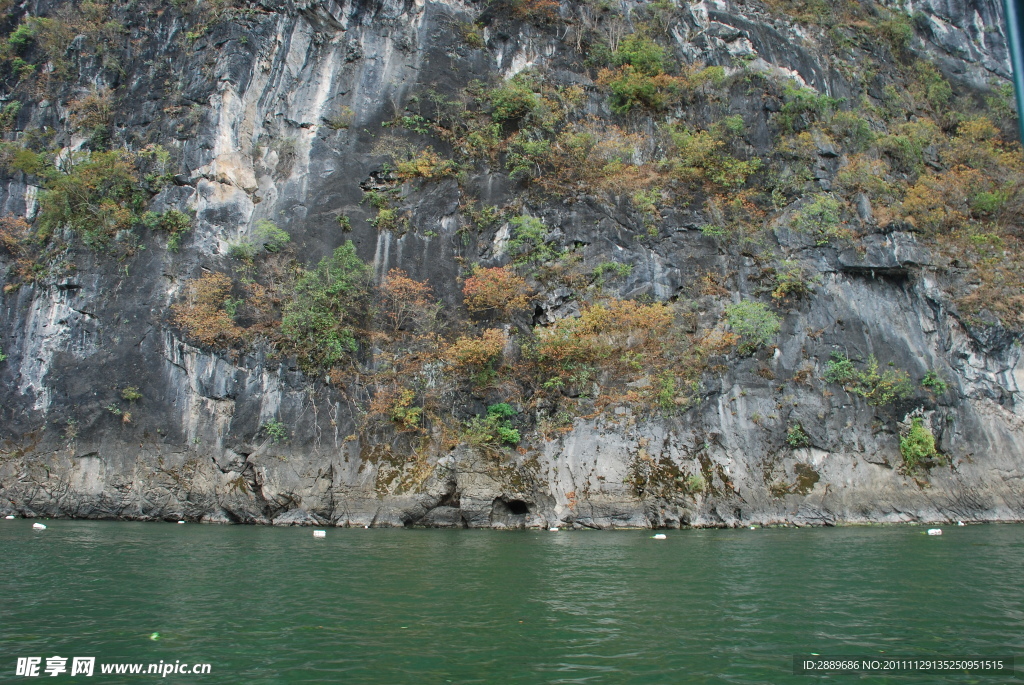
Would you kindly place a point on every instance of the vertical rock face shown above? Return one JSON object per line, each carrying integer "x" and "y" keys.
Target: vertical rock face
{"x": 276, "y": 111}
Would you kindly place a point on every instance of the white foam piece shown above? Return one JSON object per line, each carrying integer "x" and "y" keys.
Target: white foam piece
{"x": 659, "y": 536}
{"x": 935, "y": 531}
{"x": 319, "y": 533}
{"x": 38, "y": 526}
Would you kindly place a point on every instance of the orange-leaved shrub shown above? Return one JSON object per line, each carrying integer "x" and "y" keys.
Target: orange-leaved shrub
{"x": 620, "y": 336}
{"x": 405, "y": 303}
{"x": 496, "y": 290}
{"x": 203, "y": 314}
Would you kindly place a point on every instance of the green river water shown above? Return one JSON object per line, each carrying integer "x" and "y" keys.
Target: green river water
{"x": 388, "y": 607}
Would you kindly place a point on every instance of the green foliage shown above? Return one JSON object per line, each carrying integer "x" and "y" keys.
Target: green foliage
{"x": 328, "y": 300}
{"x": 934, "y": 382}
{"x": 918, "y": 444}
{"x": 514, "y": 99}
{"x": 754, "y": 322}
{"x": 695, "y": 483}
{"x": 471, "y": 35}
{"x": 907, "y": 143}
{"x": 387, "y": 219}
{"x": 702, "y": 157}
{"x": 644, "y": 55}
{"x": 3, "y": 357}
{"x": 898, "y": 31}
{"x": 790, "y": 279}
{"x": 131, "y": 394}
{"x": 878, "y": 388}
{"x": 94, "y": 195}
{"x": 275, "y": 430}
{"x": 270, "y": 237}
{"x": 21, "y": 37}
{"x": 525, "y": 155}
{"x": 494, "y": 428}
{"x": 9, "y": 115}
{"x": 666, "y": 391}
{"x": 265, "y": 237}
{"x": 802, "y": 106}
{"x": 344, "y": 222}
{"x": 713, "y": 231}
{"x": 173, "y": 221}
{"x": 852, "y": 129}
{"x": 820, "y": 217}
{"x": 796, "y": 437}
{"x": 930, "y": 85}
{"x": 631, "y": 88}
{"x": 502, "y": 410}
{"x": 839, "y": 369}
{"x": 528, "y": 242}
{"x": 376, "y": 198}
{"x": 617, "y": 269}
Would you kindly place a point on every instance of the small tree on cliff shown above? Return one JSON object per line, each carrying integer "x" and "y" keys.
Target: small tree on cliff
{"x": 329, "y": 300}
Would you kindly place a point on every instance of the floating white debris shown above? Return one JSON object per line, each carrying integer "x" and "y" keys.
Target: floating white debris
{"x": 960, "y": 523}
{"x": 659, "y": 536}
{"x": 553, "y": 529}
{"x": 181, "y": 522}
{"x": 9, "y": 517}
{"x": 935, "y": 531}
{"x": 319, "y": 533}
{"x": 38, "y": 526}
{"x": 753, "y": 528}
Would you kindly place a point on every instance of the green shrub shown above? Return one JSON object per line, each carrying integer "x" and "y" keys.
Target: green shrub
{"x": 525, "y": 156}
{"x": 386, "y": 219}
{"x": 796, "y": 437}
{"x": 646, "y": 56}
{"x": 21, "y": 37}
{"x": 94, "y": 195}
{"x": 702, "y": 157}
{"x": 898, "y": 31}
{"x": 275, "y": 431}
{"x": 618, "y": 269}
{"x": 512, "y": 100}
{"x": 631, "y": 88}
{"x": 754, "y": 322}
{"x": 820, "y": 217}
{"x": 266, "y": 236}
{"x": 878, "y": 388}
{"x": 790, "y": 279}
{"x": 930, "y": 85}
{"x": 174, "y": 222}
{"x": 934, "y": 382}
{"x": 494, "y": 428}
{"x": 918, "y": 444}
{"x": 131, "y": 394}
{"x": 528, "y": 242}
{"x": 9, "y": 115}
{"x": 839, "y": 369}
{"x": 328, "y": 301}
{"x": 801, "y": 106}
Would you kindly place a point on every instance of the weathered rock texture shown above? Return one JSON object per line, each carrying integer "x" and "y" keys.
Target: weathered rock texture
{"x": 193, "y": 448}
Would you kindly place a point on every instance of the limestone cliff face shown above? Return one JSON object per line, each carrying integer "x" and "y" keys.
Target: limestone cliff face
{"x": 248, "y": 110}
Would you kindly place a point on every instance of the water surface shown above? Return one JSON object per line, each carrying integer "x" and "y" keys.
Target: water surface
{"x": 387, "y": 607}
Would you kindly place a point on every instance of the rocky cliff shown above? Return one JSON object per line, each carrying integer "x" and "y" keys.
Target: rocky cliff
{"x": 518, "y": 263}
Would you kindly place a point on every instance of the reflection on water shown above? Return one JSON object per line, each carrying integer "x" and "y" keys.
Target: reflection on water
{"x": 268, "y": 605}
